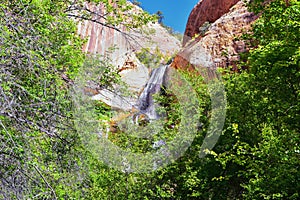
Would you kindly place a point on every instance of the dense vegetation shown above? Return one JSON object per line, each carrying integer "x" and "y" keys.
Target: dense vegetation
{"x": 43, "y": 157}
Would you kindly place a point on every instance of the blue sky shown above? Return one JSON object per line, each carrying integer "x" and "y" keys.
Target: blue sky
{"x": 175, "y": 12}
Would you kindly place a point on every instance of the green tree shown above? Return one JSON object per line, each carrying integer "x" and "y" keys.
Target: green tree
{"x": 160, "y": 16}
{"x": 41, "y": 154}
{"x": 137, "y": 3}
{"x": 259, "y": 151}
{"x": 257, "y": 156}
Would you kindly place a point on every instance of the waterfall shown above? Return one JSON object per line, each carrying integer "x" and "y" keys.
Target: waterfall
{"x": 146, "y": 104}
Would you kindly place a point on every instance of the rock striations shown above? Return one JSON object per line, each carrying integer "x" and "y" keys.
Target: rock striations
{"x": 100, "y": 38}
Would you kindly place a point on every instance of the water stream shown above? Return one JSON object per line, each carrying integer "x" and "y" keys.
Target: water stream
{"x": 146, "y": 104}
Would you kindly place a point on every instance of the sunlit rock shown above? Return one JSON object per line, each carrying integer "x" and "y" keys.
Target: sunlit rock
{"x": 220, "y": 39}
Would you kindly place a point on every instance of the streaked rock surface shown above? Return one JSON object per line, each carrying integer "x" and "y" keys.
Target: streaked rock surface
{"x": 101, "y": 39}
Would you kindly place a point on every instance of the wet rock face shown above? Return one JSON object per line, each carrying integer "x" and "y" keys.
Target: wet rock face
{"x": 205, "y": 11}
{"x": 219, "y": 40}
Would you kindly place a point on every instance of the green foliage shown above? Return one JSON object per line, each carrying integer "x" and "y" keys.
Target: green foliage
{"x": 38, "y": 46}
{"x": 171, "y": 31}
{"x": 257, "y": 156}
{"x": 166, "y": 183}
{"x": 150, "y": 60}
{"x": 203, "y": 29}
{"x": 42, "y": 156}
{"x": 137, "y": 3}
{"x": 260, "y": 147}
{"x": 40, "y": 152}
{"x": 102, "y": 74}
{"x": 160, "y": 16}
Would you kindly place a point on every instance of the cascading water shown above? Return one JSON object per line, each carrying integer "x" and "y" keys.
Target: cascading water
{"x": 146, "y": 104}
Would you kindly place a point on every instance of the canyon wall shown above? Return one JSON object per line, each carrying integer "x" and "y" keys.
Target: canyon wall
{"x": 219, "y": 44}
{"x": 205, "y": 11}
{"x": 100, "y": 39}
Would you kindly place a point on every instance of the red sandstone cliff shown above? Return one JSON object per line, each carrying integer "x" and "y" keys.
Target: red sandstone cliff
{"x": 205, "y": 10}
{"x": 218, "y": 46}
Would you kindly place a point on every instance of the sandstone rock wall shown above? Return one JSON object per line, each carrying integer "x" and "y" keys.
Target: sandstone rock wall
{"x": 135, "y": 74}
{"x": 219, "y": 44}
{"x": 100, "y": 38}
{"x": 205, "y": 11}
